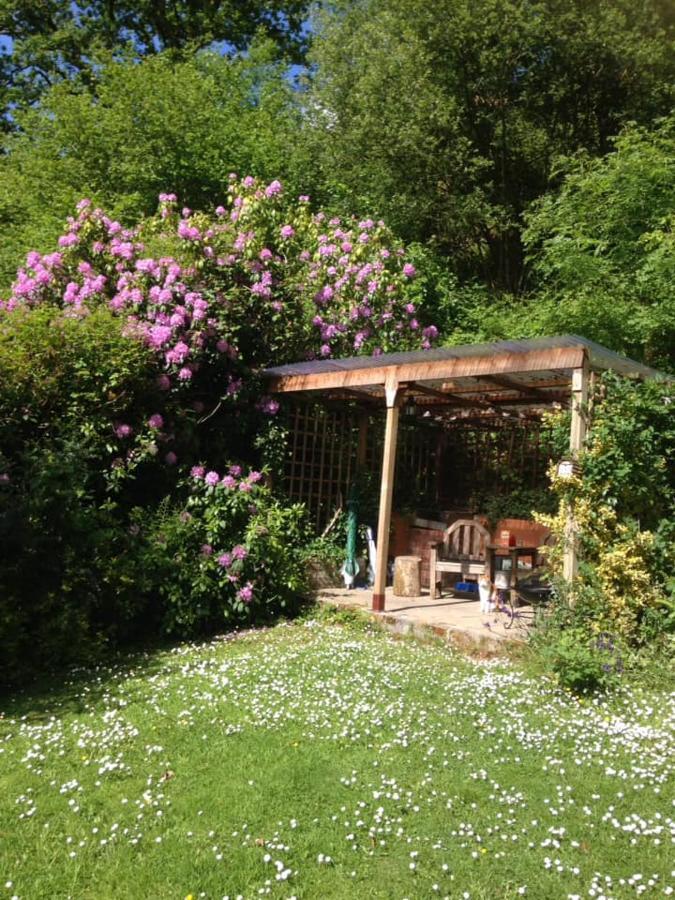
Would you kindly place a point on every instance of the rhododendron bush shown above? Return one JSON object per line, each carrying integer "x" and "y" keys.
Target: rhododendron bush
{"x": 203, "y": 301}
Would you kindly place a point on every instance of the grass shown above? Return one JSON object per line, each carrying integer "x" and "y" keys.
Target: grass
{"x": 328, "y": 760}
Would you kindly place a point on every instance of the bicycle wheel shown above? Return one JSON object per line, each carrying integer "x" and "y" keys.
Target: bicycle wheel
{"x": 508, "y": 611}
{"x": 523, "y": 611}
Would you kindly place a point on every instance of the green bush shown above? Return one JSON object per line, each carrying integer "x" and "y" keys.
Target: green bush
{"x": 68, "y": 585}
{"x": 94, "y": 551}
{"x": 583, "y": 662}
{"x": 622, "y": 503}
{"x": 225, "y": 555}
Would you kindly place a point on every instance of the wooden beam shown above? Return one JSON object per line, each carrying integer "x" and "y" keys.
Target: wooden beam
{"x": 363, "y": 397}
{"x": 456, "y": 387}
{"x": 491, "y": 402}
{"x": 511, "y": 385}
{"x": 433, "y": 370}
{"x": 445, "y": 396}
{"x": 580, "y": 378}
{"x": 393, "y": 396}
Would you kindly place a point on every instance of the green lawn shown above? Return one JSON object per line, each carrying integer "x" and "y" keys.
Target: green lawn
{"x": 320, "y": 760}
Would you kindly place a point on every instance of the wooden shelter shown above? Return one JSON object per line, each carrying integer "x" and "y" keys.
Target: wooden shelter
{"x": 508, "y": 377}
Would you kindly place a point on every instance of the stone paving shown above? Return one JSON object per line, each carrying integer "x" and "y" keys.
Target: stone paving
{"x": 454, "y": 618}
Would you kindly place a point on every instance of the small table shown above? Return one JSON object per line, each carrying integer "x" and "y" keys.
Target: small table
{"x": 514, "y": 554}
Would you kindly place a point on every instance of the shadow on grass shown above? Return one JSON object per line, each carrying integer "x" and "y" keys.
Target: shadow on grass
{"x": 75, "y": 688}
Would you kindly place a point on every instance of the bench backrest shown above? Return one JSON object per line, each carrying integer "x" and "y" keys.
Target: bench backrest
{"x": 466, "y": 539}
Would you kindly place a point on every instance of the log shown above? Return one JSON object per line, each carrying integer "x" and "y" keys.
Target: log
{"x": 407, "y": 576}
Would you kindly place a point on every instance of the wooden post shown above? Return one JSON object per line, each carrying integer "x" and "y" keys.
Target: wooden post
{"x": 580, "y": 379}
{"x": 386, "y": 492}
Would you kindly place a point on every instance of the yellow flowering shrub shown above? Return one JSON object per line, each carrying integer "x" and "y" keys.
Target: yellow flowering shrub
{"x": 620, "y": 506}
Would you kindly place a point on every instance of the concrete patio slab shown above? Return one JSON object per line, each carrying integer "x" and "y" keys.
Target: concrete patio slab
{"x": 456, "y": 619}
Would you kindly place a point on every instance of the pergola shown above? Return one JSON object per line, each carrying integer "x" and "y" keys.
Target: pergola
{"x": 512, "y": 377}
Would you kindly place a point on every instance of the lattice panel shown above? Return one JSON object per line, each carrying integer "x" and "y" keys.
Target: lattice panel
{"x": 493, "y": 456}
{"x": 323, "y": 451}
{"x": 322, "y": 458}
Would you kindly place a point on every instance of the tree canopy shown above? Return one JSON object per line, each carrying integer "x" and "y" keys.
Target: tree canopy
{"x": 449, "y": 117}
{"x": 160, "y": 125}
{"x": 510, "y": 144}
{"x": 54, "y": 40}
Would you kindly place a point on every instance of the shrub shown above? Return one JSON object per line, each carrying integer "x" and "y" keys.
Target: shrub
{"x": 583, "y": 662}
{"x": 622, "y": 504}
{"x": 128, "y": 355}
{"x": 230, "y": 553}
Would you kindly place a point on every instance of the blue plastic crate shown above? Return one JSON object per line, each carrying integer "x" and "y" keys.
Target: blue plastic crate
{"x": 468, "y": 587}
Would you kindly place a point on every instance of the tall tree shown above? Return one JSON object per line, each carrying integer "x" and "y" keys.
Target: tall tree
{"x": 448, "y": 116}
{"x": 143, "y": 128}
{"x": 603, "y": 247}
{"x": 47, "y": 41}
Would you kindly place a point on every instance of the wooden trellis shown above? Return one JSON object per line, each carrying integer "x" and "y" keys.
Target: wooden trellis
{"x": 323, "y": 455}
{"x": 488, "y": 456}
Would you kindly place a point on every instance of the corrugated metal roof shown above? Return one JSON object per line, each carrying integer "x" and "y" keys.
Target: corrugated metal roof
{"x": 599, "y": 357}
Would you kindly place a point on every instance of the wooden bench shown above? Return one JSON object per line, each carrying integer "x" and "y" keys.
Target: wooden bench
{"x": 463, "y": 550}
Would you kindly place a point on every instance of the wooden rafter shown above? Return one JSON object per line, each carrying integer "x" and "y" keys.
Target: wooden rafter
{"x": 511, "y": 385}
{"x": 489, "y": 401}
{"x": 448, "y": 397}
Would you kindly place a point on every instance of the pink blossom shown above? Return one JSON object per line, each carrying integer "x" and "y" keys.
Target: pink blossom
{"x": 235, "y": 470}
{"x": 159, "y": 335}
{"x": 212, "y": 478}
{"x": 225, "y": 560}
{"x": 273, "y": 189}
{"x": 409, "y": 270}
{"x": 188, "y": 232}
{"x": 185, "y": 374}
{"x": 123, "y": 430}
{"x": 180, "y": 352}
{"x": 229, "y": 482}
{"x": 287, "y": 231}
{"x": 197, "y": 472}
{"x": 245, "y": 594}
{"x": 239, "y": 552}
{"x": 206, "y": 549}
{"x": 156, "y": 421}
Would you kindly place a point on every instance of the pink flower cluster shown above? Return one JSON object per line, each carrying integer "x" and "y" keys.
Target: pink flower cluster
{"x": 264, "y": 280}
{"x": 230, "y": 481}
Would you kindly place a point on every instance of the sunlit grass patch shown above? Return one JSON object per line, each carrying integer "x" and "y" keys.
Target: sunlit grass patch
{"x": 324, "y": 760}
